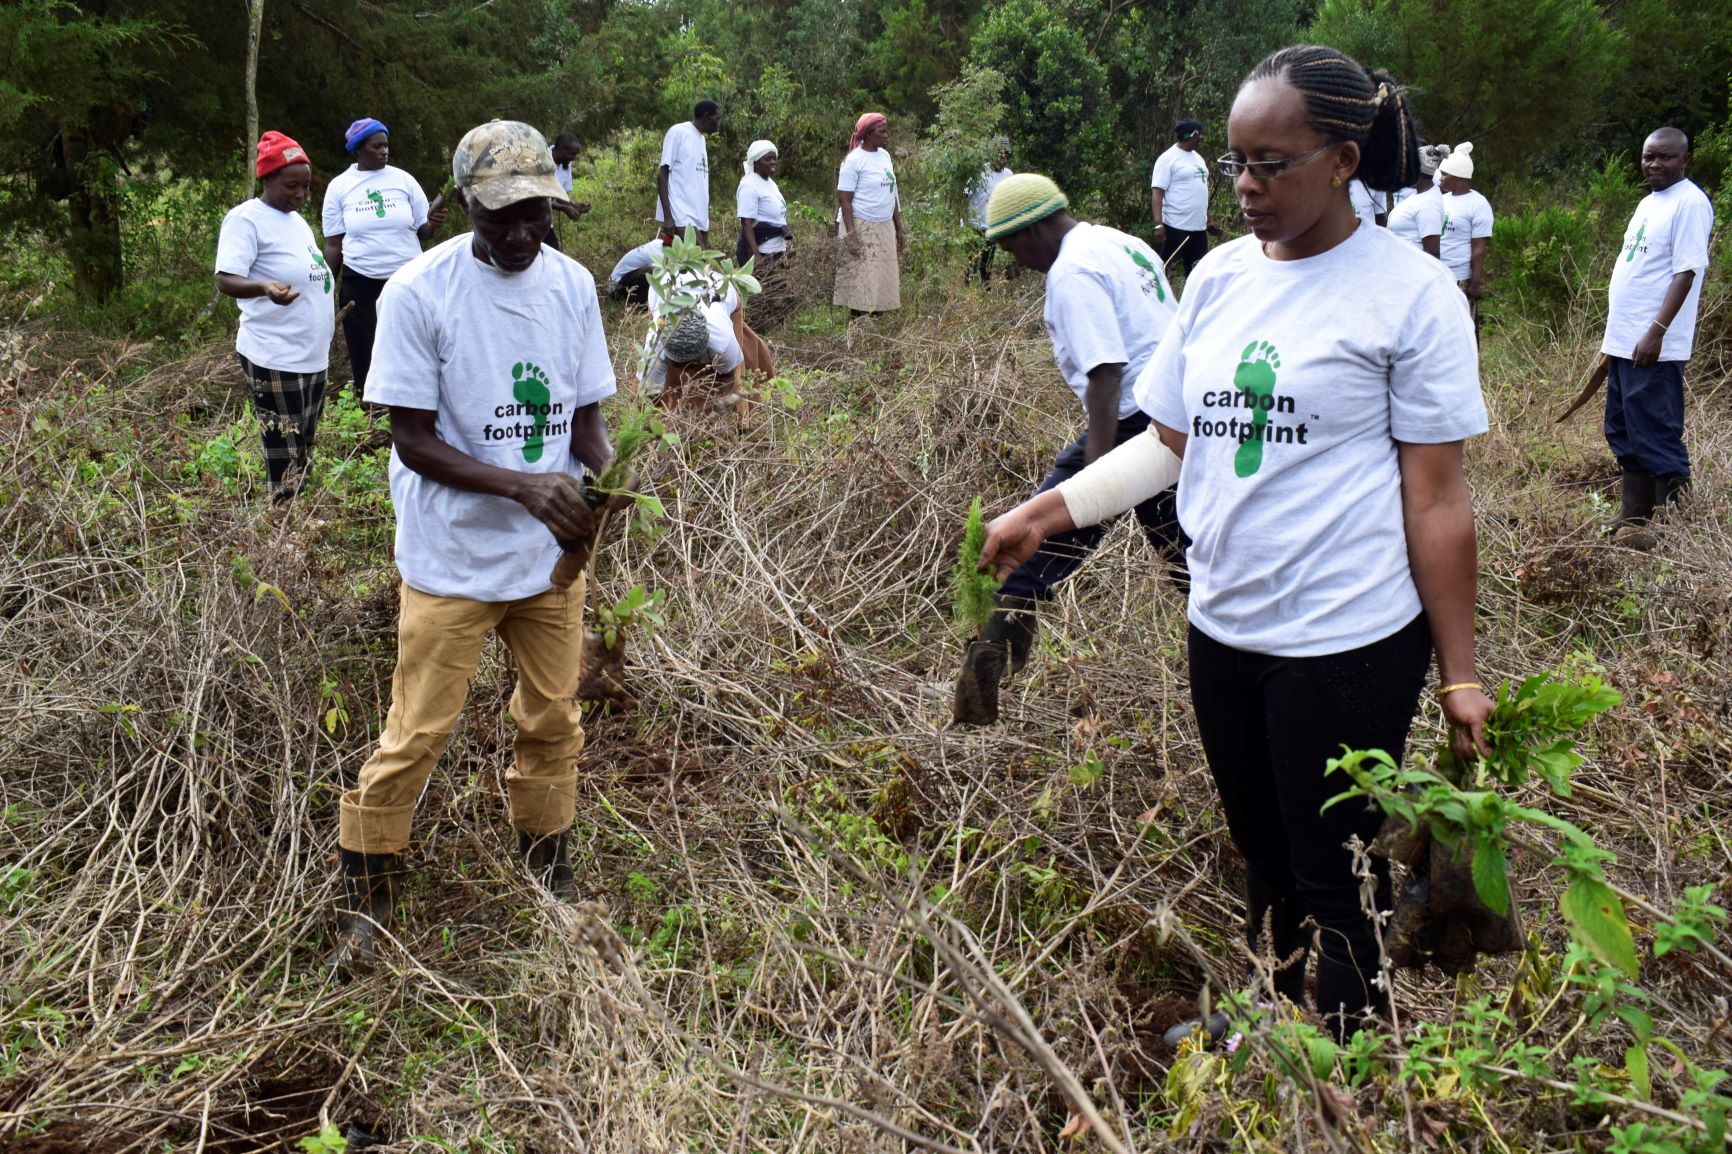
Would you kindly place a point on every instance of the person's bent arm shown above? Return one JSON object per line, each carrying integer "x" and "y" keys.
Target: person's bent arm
{"x": 334, "y": 253}
{"x": 1442, "y": 553}
{"x": 1101, "y": 398}
{"x": 1647, "y": 350}
{"x": 589, "y": 442}
{"x": 556, "y": 499}
{"x": 1433, "y": 246}
{"x": 748, "y": 227}
{"x": 239, "y": 287}
{"x": 662, "y": 191}
{"x": 1476, "y": 270}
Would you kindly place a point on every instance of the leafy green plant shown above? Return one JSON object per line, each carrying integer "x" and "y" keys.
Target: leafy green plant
{"x": 972, "y": 589}
{"x": 638, "y": 610}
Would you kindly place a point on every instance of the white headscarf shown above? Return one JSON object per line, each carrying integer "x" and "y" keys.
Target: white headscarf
{"x": 759, "y": 150}
{"x": 1459, "y": 162}
{"x": 1430, "y": 156}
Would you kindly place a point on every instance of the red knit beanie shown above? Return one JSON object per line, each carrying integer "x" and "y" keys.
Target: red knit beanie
{"x": 278, "y": 151}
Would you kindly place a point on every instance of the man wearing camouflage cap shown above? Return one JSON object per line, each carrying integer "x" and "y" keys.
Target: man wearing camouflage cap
{"x": 492, "y": 359}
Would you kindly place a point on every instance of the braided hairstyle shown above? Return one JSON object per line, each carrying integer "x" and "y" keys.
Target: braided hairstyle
{"x": 1344, "y": 100}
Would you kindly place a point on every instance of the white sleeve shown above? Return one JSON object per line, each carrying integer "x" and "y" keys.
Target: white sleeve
{"x": 1160, "y": 387}
{"x": 595, "y": 380}
{"x": 745, "y": 200}
{"x": 848, "y": 176}
{"x": 671, "y": 147}
{"x": 331, "y": 215}
{"x": 1120, "y": 480}
{"x": 405, "y": 368}
{"x": 1162, "y": 176}
{"x": 1482, "y": 222}
{"x": 1691, "y": 226}
{"x": 1428, "y": 218}
{"x": 725, "y": 352}
{"x": 417, "y": 202}
{"x": 1085, "y": 319}
{"x": 1434, "y": 393}
{"x": 237, "y": 245}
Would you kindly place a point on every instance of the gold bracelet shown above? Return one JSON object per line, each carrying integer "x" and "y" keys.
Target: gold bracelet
{"x": 1446, "y": 690}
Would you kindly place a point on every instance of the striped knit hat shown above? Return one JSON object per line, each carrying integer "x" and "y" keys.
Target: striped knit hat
{"x": 1020, "y": 201}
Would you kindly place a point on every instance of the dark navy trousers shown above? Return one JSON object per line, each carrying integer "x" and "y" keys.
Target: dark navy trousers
{"x": 1645, "y": 417}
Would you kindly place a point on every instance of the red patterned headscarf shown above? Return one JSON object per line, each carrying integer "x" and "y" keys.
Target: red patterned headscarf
{"x": 866, "y": 121}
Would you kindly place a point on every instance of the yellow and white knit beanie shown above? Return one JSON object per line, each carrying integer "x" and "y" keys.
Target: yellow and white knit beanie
{"x": 1020, "y": 201}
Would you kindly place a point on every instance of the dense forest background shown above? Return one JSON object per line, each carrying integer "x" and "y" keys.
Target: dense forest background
{"x": 102, "y": 100}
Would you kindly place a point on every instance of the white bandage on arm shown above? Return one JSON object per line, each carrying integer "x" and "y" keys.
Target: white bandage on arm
{"x": 1120, "y": 480}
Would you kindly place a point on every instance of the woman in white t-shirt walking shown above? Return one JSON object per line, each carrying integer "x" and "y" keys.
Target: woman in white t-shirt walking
{"x": 868, "y": 279}
{"x": 1332, "y": 533}
{"x": 762, "y": 209}
{"x": 1467, "y": 224}
{"x": 375, "y": 218}
{"x": 1417, "y": 217}
{"x": 268, "y": 261}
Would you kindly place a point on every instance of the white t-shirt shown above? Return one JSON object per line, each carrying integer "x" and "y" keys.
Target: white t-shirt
{"x": 376, "y": 213}
{"x": 260, "y": 243}
{"x": 980, "y": 191}
{"x": 505, "y": 360}
{"x": 1293, "y": 381}
{"x": 1367, "y": 205}
{"x": 725, "y": 351}
{"x": 872, "y": 179}
{"x": 1402, "y": 194}
{"x": 640, "y": 257}
{"x": 561, "y": 173}
{"x": 1418, "y": 216}
{"x": 1466, "y": 218}
{"x": 759, "y": 199}
{"x": 687, "y": 158}
{"x": 1667, "y": 235}
{"x": 1107, "y": 302}
{"x": 1185, "y": 178}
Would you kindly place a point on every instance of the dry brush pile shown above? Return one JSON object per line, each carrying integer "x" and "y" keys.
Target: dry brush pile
{"x": 819, "y": 919}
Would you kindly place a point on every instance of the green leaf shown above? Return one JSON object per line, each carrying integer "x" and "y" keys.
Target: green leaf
{"x": 1597, "y": 921}
{"x": 1639, "y": 1022}
{"x": 1088, "y": 771}
{"x": 1636, "y": 1066}
{"x": 1320, "y": 1052}
{"x": 1491, "y": 876}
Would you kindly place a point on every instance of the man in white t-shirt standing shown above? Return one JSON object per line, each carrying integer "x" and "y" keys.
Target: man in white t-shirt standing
{"x": 979, "y": 192}
{"x": 565, "y": 151}
{"x": 683, "y": 181}
{"x": 1650, "y": 329}
{"x": 1108, "y": 304}
{"x": 1179, "y": 198}
{"x": 491, "y": 357}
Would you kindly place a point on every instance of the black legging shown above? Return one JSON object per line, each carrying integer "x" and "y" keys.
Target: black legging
{"x": 360, "y": 325}
{"x": 1269, "y": 726}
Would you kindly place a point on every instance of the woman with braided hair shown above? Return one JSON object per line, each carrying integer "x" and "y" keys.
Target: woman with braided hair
{"x": 1312, "y": 398}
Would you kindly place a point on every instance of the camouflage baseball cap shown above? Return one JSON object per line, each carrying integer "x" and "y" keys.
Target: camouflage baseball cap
{"x": 505, "y": 161}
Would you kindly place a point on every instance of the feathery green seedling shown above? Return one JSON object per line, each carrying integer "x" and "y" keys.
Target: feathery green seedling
{"x": 971, "y": 605}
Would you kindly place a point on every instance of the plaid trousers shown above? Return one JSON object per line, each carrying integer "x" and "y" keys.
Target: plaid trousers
{"x": 288, "y": 407}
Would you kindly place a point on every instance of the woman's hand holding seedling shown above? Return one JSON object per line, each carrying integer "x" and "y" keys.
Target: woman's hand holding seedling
{"x": 1467, "y": 711}
{"x": 1013, "y": 537}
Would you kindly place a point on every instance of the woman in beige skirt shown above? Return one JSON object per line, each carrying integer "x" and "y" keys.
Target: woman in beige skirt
{"x": 872, "y": 237}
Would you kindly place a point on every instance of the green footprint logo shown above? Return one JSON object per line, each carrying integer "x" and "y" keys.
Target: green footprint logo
{"x": 531, "y": 389}
{"x": 1630, "y": 253}
{"x": 378, "y": 201}
{"x": 1255, "y": 378}
{"x": 319, "y": 259}
{"x": 1154, "y": 275}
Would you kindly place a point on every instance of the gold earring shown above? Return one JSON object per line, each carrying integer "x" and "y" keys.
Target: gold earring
{"x": 1335, "y": 182}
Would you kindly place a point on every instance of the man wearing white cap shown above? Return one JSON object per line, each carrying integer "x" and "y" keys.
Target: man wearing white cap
{"x": 492, "y": 359}
{"x": 1650, "y": 328}
{"x": 1467, "y": 224}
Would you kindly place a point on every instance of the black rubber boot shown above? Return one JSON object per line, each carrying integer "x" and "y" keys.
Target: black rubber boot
{"x": 369, "y": 893}
{"x": 1213, "y": 1031}
{"x": 1636, "y": 500}
{"x": 1671, "y": 490}
{"x": 545, "y": 859}
{"x": 1014, "y": 623}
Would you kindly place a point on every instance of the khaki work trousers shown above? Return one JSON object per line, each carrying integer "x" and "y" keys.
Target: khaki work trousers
{"x": 438, "y": 648}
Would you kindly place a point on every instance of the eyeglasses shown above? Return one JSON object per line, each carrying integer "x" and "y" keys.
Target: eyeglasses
{"x": 1231, "y": 166}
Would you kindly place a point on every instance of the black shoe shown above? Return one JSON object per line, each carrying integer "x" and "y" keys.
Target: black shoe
{"x": 1636, "y": 500}
{"x": 1014, "y": 623}
{"x": 369, "y": 893}
{"x": 1670, "y": 490}
{"x": 1213, "y": 1031}
{"x": 545, "y": 859}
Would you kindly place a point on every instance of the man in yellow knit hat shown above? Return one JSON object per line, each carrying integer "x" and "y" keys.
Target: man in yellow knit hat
{"x": 1108, "y": 304}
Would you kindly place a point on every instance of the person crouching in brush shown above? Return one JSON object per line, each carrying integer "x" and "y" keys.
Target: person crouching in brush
{"x": 492, "y": 359}
{"x": 1108, "y": 305}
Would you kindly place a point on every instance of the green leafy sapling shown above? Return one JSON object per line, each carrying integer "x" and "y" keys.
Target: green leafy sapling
{"x": 972, "y": 589}
{"x": 687, "y": 275}
{"x": 639, "y": 429}
{"x": 638, "y": 610}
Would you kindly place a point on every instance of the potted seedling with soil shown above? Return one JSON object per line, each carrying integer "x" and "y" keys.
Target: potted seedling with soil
{"x": 639, "y": 429}
{"x": 604, "y": 646}
{"x": 985, "y": 662}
